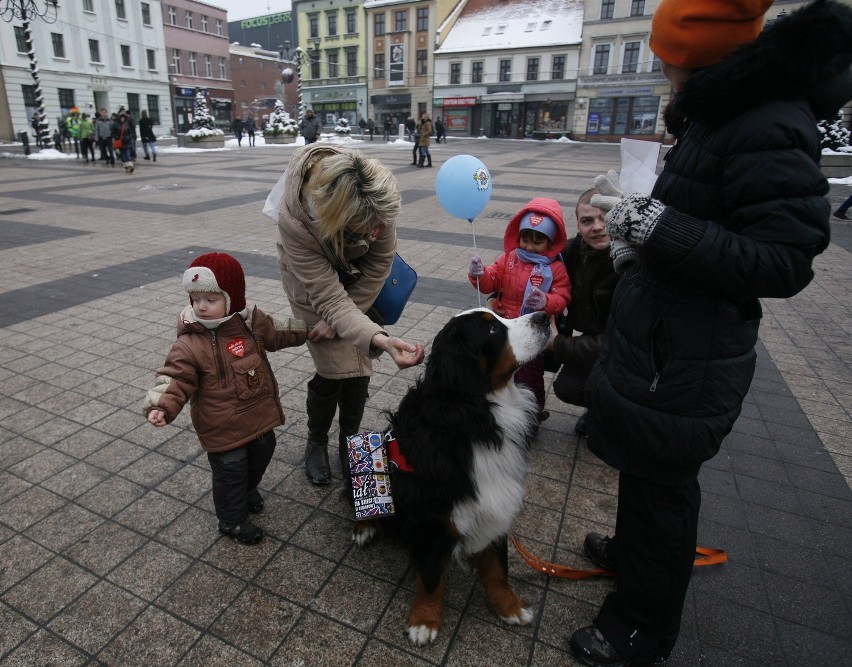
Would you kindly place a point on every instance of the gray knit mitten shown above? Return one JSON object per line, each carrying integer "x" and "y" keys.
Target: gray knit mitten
{"x": 634, "y": 218}
{"x": 609, "y": 190}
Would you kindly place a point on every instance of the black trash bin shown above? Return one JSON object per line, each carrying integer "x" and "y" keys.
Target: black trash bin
{"x": 25, "y": 140}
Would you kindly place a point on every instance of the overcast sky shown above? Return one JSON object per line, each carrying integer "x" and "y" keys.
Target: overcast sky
{"x": 245, "y": 9}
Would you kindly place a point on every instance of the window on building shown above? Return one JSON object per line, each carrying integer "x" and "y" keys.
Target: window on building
{"x": 263, "y": 85}
{"x": 154, "y": 109}
{"x": 176, "y": 60}
{"x": 607, "y": 9}
{"x": 205, "y": 24}
{"x": 601, "y": 64}
{"x": 58, "y": 44}
{"x": 637, "y": 8}
{"x": 351, "y": 23}
{"x": 146, "y": 13}
{"x": 208, "y": 66}
{"x": 557, "y": 69}
{"x": 20, "y": 39}
{"x": 66, "y": 99}
{"x": 332, "y": 24}
{"x": 532, "y": 69}
{"x": 29, "y": 95}
{"x": 220, "y": 28}
{"x": 315, "y": 65}
{"x": 133, "y": 104}
{"x": 125, "y": 55}
{"x": 120, "y": 11}
{"x": 89, "y": 6}
{"x": 333, "y": 66}
{"x": 422, "y": 19}
{"x": 622, "y": 115}
{"x": 94, "y": 51}
{"x": 151, "y": 56}
{"x": 476, "y": 69}
{"x": 189, "y": 19}
{"x": 422, "y": 62}
{"x": 172, "y": 16}
{"x": 193, "y": 64}
{"x": 313, "y": 26}
{"x": 455, "y": 72}
{"x": 655, "y": 64}
{"x": 223, "y": 70}
{"x": 379, "y": 24}
{"x": 351, "y": 63}
{"x": 630, "y": 63}
{"x": 400, "y": 20}
{"x": 379, "y": 66}
{"x": 505, "y": 70}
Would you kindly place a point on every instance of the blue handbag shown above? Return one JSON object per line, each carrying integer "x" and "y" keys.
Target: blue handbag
{"x": 388, "y": 306}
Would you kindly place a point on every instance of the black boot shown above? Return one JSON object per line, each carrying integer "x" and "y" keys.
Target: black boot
{"x": 321, "y": 411}
{"x": 353, "y": 398}
{"x": 422, "y": 160}
{"x": 429, "y": 160}
{"x": 414, "y": 156}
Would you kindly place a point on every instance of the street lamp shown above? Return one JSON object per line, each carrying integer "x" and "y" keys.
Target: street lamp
{"x": 23, "y": 10}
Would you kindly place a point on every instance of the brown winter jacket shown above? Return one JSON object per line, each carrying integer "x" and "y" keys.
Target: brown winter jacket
{"x": 312, "y": 283}
{"x": 226, "y": 377}
{"x": 425, "y": 132}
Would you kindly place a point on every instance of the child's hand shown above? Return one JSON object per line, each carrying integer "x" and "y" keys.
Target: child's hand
{"x": 476, "y": 270}
{"x": 157, "y": 417}
{"x": 536, "y": 300}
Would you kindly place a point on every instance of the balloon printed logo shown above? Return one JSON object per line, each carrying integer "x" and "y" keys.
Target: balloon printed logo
{"x": 463, "y": 186}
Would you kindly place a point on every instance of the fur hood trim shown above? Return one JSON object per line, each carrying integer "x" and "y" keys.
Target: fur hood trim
{"x": 804, "y": 55}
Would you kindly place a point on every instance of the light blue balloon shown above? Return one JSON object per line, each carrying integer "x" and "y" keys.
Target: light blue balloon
{"x": 463, "y": 186}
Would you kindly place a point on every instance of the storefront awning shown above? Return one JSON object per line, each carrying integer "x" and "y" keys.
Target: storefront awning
{"x": 493, "y": 98}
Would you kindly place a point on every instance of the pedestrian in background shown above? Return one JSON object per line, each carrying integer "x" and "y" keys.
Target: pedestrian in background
{"x": 310, "y": 127}
{"x": 149, "y": 139}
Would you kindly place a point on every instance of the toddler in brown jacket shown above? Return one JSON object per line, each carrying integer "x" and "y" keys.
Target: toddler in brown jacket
{"x": 218, "y": 364}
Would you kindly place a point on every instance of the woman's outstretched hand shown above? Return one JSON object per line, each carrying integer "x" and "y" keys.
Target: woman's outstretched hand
{"x": 404, "y": 355}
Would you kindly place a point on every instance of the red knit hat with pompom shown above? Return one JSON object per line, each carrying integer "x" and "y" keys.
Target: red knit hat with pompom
{"x": 217, "y": 272}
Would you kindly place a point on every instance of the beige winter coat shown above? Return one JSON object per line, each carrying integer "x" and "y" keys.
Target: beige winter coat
{"x": 312, "y": 283}
{"x": 425, "y": 132}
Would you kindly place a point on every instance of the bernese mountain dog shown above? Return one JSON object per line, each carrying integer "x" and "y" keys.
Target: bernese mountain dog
{"x": 460, "y": 459}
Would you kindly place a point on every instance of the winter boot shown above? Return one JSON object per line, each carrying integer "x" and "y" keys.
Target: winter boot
{"x": 422, "y": 160}
{"x": 321, "y": 411}
{"x": 414, "y": 156}
{"x": 353, "y": 398}
{"x": 429, "y": 160}
{"x": 245, "y": 533}
{"x": 155, "y": 157}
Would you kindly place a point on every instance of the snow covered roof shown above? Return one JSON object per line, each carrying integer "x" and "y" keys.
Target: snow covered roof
{"x": 515, "y": 24}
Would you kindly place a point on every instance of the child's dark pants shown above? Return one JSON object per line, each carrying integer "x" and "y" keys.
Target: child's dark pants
{"x": 236, "y": 472}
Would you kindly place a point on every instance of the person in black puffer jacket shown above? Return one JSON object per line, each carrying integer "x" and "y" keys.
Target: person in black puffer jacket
{"x": 738, "y": 214}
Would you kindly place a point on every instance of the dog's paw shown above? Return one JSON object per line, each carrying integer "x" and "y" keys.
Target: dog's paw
{"x": 363, "y": 532}
{"x": 525, "y": 617}
{"x": 420, "y": 635}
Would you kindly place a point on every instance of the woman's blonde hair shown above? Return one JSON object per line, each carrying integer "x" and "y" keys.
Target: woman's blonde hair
{"x": 353, "y": 190}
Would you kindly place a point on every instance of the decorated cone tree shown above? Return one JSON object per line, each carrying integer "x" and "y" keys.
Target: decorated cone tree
{"x": 835, "y": 137}
{"x": 280, "y": 122}
{"x": 342, "y": 128}
{"x": 202, "y": 122}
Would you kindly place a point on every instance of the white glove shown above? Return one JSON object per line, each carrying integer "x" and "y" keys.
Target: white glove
{"x": 535, "y": 300}
{"x": 634, "y": 218}
{"x": 476, "y": 270}
{"x": 610, "y": 191}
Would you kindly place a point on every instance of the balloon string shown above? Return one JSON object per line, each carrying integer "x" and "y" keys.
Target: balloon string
{"x": 478, "y": 293}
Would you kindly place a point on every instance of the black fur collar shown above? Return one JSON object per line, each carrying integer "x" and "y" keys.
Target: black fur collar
{"x": 804, "y": 55}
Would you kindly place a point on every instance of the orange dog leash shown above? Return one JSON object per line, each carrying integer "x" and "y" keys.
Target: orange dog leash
{"x": 703, "y": 556}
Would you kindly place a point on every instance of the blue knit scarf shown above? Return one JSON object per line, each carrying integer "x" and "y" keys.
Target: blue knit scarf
{"x": 541, "y": 268}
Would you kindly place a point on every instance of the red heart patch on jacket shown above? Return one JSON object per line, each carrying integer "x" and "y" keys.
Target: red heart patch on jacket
{"x": 237, "y": 347}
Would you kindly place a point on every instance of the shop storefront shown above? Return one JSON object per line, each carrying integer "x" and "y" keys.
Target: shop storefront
{"x": 395, "y": 107}
{"x": 220, "y": 108}
{"x": 330, "y": 104}
{"x": 622, "y": 116}
{"x": 458, "y": 116}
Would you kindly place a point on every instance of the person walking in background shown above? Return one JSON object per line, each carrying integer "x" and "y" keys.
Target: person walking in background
{"x": 338, "y": 214}
{"x": 87, "y": 138}
{"x": 593, "y": 279}
{"x": 310, "y": 127}
{"x": 387, "y": 127}
{"x": 72, "y": 129}
{"x": 440, "y": 131}
{"x": 103, "y": 134}
{"x": 423, "y": 143}
{"x": 411, "y": 128}
{"x": 250, "y": 129}
{"x": 121, "y": 141}
{"x": 238, "y": 130}
{"x": 371, "y": 127}
{"x": 738, "y": 214}
{"x": 36, "y": 130}
{"x": 363, "y": 125}
{"x": 218, "y": 364}
{"x": 146, "y": 133}
{"x": 415, "y": 150}
{"x": 528, "y": 277}
{"x": 841, "y": 211}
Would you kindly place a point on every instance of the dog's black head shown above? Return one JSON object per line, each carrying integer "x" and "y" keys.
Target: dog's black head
{"x": 478, "y": 352}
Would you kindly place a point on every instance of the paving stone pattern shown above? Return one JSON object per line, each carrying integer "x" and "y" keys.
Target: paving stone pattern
{"x": 109, "y": 553}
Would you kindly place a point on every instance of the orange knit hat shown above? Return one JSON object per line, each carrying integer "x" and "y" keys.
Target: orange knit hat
{"x": 697, "y": 33}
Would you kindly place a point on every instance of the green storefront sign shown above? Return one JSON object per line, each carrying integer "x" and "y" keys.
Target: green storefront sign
{"x": 263, "y": 21}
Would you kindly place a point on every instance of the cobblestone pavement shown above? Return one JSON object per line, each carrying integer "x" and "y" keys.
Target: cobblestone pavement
{"x": 109, "y": 553}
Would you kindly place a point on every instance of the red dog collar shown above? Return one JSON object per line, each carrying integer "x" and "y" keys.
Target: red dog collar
{"x": 395, "y": 456}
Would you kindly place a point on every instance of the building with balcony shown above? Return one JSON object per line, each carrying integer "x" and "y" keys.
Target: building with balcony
{"x": 196, "y": 45}
{"x": 509, "y": 69}
{"x": 332, "y": 37}
{"x": 92, "y": 54}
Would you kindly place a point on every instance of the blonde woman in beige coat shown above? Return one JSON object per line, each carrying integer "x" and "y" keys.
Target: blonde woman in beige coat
{"x": 338, "y": 207}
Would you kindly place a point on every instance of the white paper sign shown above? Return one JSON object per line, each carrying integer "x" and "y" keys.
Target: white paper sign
{"x": 638, "y": 165}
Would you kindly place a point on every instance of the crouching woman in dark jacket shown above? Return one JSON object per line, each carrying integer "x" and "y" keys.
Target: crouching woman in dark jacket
{"x": 738, "y": 214}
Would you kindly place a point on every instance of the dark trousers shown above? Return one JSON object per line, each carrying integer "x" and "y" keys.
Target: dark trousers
{"x": 655, "y": 537}
{"x": 88, "y": 147}
{"x": 531, "y": 374}
{"x": 107, "y": 151}
{"x": 237, "y": 472}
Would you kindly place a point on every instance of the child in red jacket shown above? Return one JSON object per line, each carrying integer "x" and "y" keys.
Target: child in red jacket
{"x": 526, "y": 278}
